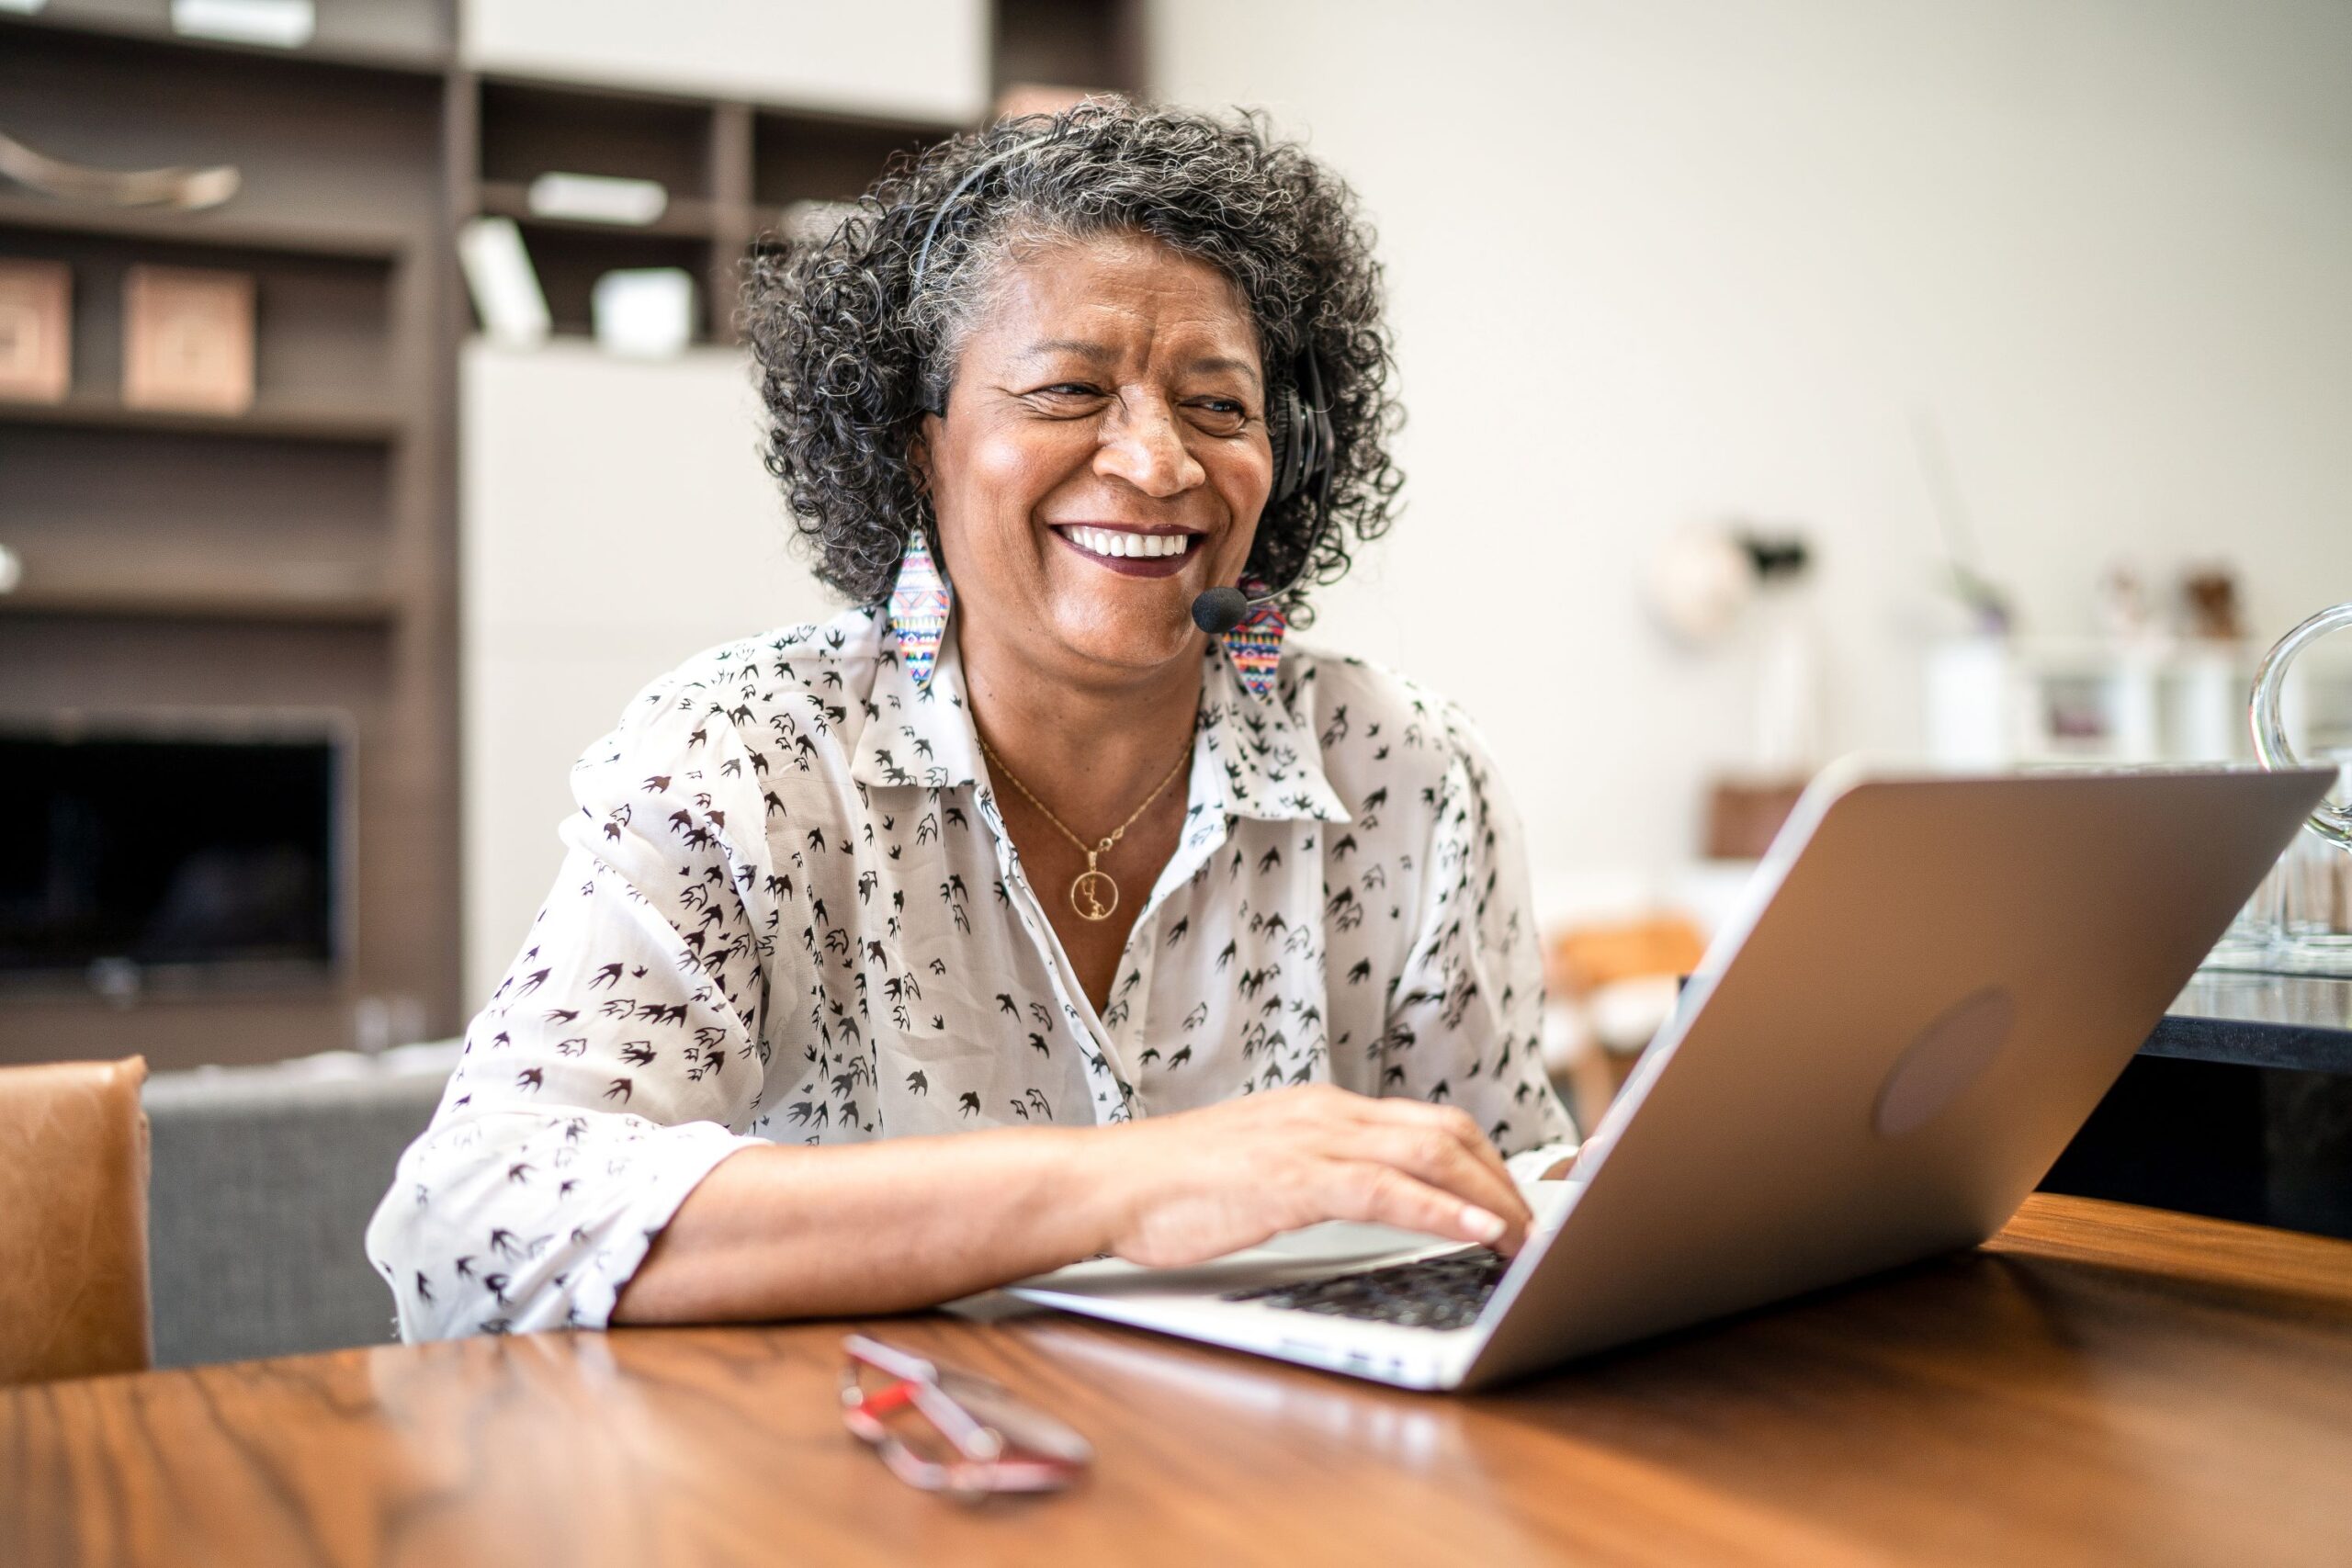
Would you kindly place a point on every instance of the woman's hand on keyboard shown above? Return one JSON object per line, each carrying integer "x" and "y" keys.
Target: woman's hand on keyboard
{"x": 1193, "y": 1185}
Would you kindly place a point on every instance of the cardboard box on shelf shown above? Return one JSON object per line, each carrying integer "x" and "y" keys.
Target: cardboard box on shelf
{"x": 188, "y": 340}
{"x": 35, "y": 330}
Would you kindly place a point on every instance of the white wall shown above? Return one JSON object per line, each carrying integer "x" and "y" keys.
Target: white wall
{"x": 616, "y": 520}
{"x": 923, "y": 58}
{"x": 1654, "y": 261}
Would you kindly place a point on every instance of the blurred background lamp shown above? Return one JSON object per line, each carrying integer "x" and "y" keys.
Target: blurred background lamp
{"x": 1701, "y": 583}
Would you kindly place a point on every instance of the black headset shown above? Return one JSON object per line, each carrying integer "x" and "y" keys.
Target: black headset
{"x": 1300, "y": 428}
{"x": 1298, "y": 425}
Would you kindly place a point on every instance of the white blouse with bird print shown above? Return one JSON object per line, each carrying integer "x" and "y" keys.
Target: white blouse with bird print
{"x": 789, "y": 910}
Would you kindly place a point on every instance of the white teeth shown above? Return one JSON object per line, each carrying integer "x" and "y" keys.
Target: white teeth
{"x": 1119, "y": 544}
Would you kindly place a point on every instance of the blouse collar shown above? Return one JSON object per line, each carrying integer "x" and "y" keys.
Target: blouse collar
{"x": 1251, "y": 757}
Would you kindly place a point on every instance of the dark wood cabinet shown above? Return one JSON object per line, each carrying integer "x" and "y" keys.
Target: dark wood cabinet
{"x": 184, "y": 570}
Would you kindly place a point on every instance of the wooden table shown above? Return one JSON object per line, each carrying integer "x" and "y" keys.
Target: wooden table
{"x": 2100, "y": 1385}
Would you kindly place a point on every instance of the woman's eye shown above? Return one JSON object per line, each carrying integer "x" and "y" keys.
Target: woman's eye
{"x": 1065, "y": 400}
{"x": 1221, "y": 413}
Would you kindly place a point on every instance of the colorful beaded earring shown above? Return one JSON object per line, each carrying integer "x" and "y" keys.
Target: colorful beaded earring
{"x": 919, "y": 601}
{"x": 1256, "y": 644}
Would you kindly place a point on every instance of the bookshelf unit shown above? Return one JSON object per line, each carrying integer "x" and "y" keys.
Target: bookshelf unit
{"x": 729, "y": 169}
{"x": 299, "y": 559}
{"x": 294, "y": 558}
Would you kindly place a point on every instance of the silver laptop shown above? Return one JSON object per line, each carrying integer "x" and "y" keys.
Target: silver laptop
{"x": 1931, "y": 983}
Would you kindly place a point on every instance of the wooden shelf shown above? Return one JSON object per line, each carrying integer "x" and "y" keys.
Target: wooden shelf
{"x": 330, "y": 51}
{"x": 227, "y": 602}
{"x": 686, "y": 216}
{"x": 359, "y": 426}
{"x": 217, "y": 228}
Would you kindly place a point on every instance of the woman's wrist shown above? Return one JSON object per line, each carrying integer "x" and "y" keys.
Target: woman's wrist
{"x": 1105, "y": 1172}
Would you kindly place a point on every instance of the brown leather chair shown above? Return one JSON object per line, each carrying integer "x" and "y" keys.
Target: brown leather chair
{"x": 73, "y": 1221}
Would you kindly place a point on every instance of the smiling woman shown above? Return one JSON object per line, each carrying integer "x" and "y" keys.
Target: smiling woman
{"x": 1020, "y": 406}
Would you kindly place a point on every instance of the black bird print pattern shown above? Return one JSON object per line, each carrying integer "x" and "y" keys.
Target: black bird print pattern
{"x": 788, "y": 910}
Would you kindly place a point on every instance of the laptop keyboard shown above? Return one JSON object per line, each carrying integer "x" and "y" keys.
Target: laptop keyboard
{"x": 1444, "y": 1291}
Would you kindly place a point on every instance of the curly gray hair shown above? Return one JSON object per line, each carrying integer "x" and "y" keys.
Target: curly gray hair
{"x": 850, "y": 356}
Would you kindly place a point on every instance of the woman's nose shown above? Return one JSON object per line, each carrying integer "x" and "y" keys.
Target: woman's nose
{"x": 1144, "y": 445}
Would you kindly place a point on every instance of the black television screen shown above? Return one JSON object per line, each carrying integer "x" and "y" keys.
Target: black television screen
{"x": 166, "y": 852}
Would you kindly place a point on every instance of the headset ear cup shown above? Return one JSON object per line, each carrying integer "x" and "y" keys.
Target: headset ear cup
{"x": 1315, "y": 421}
{"x": 1315, "y": 453}
{"x": 1299, "y": 426}
{"x": 1282, "y": 429}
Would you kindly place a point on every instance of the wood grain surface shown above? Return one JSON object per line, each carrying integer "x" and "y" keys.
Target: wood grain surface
{"x": 2100, "y": 1385}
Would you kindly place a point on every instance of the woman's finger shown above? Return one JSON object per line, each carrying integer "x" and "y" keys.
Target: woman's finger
{"x": 1383, "y": 1194}
{"x": 1453, "y": 1123}
{"x": 1432, "y": 1154}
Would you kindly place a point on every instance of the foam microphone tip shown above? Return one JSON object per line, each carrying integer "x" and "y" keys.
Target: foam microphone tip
{"x": 1220, "y": 610}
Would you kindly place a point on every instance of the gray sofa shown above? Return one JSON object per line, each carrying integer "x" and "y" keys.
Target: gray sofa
{"x": 264, "y": 1181}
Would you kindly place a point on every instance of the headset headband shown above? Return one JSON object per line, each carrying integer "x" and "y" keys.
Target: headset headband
{"x": 922, "y": 256}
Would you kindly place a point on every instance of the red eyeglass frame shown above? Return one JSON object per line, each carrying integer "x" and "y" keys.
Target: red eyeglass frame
{"x": 1001, "y": 1445}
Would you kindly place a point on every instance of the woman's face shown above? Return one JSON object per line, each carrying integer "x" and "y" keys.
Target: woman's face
{"x": 1109, "y": 402}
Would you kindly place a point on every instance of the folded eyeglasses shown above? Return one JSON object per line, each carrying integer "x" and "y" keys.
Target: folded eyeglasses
{"x": 950, "y": 1431}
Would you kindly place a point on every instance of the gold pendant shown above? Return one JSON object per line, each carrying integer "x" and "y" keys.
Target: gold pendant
{"x": 1085, "y": 894}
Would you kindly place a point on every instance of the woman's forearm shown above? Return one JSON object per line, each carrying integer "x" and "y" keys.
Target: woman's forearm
{"x": 789, "y": 1232}
{"x": 785, "y": 1232}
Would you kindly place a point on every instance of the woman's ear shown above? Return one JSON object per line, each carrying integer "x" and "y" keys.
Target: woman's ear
{"x": 919, "y": 447}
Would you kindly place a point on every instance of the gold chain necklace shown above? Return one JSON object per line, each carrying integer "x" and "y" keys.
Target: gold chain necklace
{"x": 1087, "y": 892}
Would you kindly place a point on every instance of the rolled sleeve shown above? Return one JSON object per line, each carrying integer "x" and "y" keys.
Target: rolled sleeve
{"x": 619, "y": 1060}
{"x": 465, "y": 1254}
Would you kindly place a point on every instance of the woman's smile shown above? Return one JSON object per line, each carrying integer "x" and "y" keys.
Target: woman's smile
{"x": 1128, "y": 550}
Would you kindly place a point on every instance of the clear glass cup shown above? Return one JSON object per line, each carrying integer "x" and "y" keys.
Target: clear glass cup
{"x": 2251, "y": 944}
{"x": 2314, "y": 908}
{"x": 2309, "y": 909}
